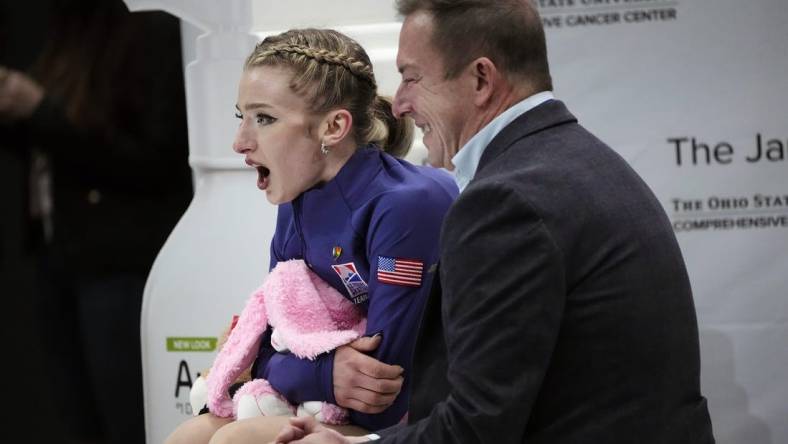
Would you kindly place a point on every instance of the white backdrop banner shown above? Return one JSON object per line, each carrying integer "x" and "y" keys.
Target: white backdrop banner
{"x": 694, "y": 94}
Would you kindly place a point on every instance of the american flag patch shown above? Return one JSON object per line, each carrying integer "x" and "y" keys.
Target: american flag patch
{"x": 397, "y": 271}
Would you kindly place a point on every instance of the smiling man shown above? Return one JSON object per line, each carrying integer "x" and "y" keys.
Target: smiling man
{"x": 562, "y": 311}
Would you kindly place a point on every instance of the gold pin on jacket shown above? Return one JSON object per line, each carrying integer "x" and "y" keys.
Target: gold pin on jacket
{"x": 336, "y": 252}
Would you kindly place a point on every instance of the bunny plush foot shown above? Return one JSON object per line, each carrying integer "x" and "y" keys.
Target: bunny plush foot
{"x": 258, "y": 398}
{"x": 198, "y": 395}
{"x": 323, "y": 412}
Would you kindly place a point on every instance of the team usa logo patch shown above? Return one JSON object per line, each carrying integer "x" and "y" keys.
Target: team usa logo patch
{"x": 398, "y": 271}
{"x": 354, "y": 283}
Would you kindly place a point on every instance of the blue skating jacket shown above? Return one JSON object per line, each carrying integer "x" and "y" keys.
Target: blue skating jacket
{"x": 372, "y": 233}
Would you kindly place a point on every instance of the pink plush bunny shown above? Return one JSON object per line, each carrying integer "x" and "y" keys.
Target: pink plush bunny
{"x": 308, "y": 316}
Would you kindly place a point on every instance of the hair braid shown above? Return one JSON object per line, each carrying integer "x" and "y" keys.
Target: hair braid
{"x": 356, "y": 67}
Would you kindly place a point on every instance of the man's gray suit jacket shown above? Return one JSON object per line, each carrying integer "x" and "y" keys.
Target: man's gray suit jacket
{"x": 562, "y": 310}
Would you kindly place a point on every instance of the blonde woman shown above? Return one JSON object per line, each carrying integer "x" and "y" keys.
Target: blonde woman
{"x": 327, "y": 148}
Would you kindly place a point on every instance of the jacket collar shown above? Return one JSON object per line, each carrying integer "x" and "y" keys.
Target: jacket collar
{"x": 352, "y": 180}
{"x": 542, "y": 117}
{"x": 466, "y": 161}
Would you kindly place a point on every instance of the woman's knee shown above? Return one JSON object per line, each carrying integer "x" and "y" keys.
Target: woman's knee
{"x": 253, "y": 430}
{"x": 197, "y": 430}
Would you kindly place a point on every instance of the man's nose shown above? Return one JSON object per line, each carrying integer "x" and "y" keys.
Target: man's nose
{"x": 400, "y": 106}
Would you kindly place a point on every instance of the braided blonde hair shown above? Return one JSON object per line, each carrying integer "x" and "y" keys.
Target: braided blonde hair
{"x": 331, "y": 70}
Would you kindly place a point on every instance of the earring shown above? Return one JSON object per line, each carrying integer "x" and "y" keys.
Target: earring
{"x": 324, "y": 148}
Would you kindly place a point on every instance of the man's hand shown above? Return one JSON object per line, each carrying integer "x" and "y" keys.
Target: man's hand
{"x": 306, "y": 430}
{"x": 362, "y": 383}
{"x": 19, "y": 95}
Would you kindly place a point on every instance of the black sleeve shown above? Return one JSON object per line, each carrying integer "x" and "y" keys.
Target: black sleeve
{"x": 143, "y": 145}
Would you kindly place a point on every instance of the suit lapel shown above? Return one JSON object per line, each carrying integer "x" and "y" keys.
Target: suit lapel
{"x": 546, "y": 115}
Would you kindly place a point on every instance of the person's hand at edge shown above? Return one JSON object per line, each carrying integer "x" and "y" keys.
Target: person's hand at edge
{"x": 20, "y": 95}
{"x": 307, "y": 430}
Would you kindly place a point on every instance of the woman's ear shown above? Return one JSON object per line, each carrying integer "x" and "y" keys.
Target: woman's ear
{"x": 336, "y": 126}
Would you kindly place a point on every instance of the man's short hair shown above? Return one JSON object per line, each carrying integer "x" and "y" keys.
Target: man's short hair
{"x": 508, "y": 32}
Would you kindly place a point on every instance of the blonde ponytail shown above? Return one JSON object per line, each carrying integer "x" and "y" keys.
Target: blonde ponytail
{"x": 393, "y": 135}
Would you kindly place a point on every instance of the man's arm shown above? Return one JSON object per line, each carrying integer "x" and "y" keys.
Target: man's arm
{"x": 503, "y": 297}
{"x": 356, "y": 380}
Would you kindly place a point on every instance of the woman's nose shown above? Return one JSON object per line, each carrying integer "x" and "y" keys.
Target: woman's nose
{"x": 242, "y": 143}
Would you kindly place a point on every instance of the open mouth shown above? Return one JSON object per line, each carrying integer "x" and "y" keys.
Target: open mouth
{"x": 263, "y": 177}
{"x": 263, "y": 173}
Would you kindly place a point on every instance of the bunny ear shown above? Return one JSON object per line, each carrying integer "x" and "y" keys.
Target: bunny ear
{"x": 236, "y": 355}
{"x": 309, "y": 345}
{"x": 310, "y": 316}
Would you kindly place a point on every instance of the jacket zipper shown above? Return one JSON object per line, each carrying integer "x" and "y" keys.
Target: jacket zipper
{"x": 299, "y": 230}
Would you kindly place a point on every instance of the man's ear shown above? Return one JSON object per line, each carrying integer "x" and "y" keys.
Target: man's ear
{"x": 486, "y": 78}
{"x": 336, "y": 126}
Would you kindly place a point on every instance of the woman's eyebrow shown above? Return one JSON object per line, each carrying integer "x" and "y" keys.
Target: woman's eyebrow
{"x": 254, "y": 105}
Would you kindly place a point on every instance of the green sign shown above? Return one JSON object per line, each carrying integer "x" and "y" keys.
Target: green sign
{"x": 191, "y": 344}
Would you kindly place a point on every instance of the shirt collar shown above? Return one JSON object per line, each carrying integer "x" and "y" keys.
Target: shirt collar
{"x": 466, "y": 161}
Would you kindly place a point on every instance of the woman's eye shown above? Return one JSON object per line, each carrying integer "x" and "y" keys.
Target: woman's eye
{"x": 265, "y": 119}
